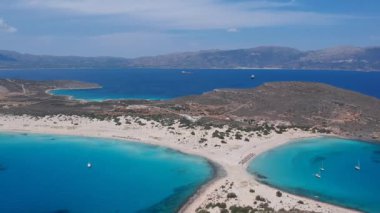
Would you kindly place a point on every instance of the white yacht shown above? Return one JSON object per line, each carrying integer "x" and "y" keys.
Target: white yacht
{"x": 357, "y": 166}
{"x": 318, "y": 175}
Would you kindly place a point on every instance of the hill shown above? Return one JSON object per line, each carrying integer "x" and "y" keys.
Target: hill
{"x": 311, "y": 105}
{"x": 271, "y": 107}
{"x": 11, "y": 59}
{"x": 339, "y": 58}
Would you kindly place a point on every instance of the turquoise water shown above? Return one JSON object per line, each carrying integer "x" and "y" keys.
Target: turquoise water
{"x": 170, "y": 83}
{"x": 46, "y": 174}
{"x": 292, "y": 168}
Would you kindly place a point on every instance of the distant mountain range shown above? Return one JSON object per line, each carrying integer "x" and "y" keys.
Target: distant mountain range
{"x": 338, "y": 58}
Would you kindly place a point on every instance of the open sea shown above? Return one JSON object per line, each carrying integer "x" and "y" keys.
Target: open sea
{"x": 171, "y": 83}
{"x": 49, "y": 174}
{"x": 292, "y": 168}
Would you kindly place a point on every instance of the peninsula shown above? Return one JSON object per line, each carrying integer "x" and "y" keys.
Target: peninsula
{"x": 229, "y": 127}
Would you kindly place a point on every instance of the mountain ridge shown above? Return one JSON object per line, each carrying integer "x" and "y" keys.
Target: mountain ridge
{"x": 261, "y": 57}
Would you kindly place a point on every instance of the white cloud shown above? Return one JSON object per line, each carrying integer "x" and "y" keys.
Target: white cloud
{"x": 5, "y": 27}
{"x": 232, "y": 30}
{"x": 190, "y": 15}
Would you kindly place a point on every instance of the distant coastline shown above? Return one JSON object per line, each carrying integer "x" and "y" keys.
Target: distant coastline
{"x": 186, "y": 68}
{"x": 262, "y": 57}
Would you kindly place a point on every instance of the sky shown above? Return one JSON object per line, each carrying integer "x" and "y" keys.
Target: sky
{"x": 133, "y": 28}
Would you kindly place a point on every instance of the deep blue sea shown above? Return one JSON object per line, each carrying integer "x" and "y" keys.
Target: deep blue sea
{"x": 49, "y": 174}
{"x": 171, "y": 83}
{"x": 293, "y": 167}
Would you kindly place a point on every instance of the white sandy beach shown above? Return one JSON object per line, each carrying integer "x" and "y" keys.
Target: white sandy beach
{"x": 233, "y": 157}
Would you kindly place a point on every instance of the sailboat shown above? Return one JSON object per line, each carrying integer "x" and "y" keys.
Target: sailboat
{"x": 322, "y": 168}
{"x": 357, "y": 166}
{"x": 89, "y": 165}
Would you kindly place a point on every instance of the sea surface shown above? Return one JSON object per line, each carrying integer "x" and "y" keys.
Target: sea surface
{"x": 171, "y": 83}
{"x": 292, "y": 168}
{"x": 49, "y": 174}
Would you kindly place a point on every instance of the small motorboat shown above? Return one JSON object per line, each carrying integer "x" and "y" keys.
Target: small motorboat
{"x": 89, "y": 165}
{"x": 357, "y": 166}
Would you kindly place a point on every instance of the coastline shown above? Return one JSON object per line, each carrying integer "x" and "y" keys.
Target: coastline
{"x": 94, "y": 100}
{"x": 218, "y": 173}
{"x": 227, "y": 157}
{"x": 48, "y": 91}
{"x": 349, "y": 209}
{"x": 297, "y": 140}
{"x": 189, "y": 68}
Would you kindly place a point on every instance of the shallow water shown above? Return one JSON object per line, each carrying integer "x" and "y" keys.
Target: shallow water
{"x": 171, "y": 83}
{"x": 48, "y": 173}
{"x": 292, "y": 168}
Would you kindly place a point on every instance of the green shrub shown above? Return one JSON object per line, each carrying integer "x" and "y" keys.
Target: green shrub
{"x": 231, "y": 195}
{"x": 238, "y": 136}
{"x": 240, "y": 209}
{"x": 202, "y": 140}
{"x": 224, "y": 211}
{"x": 259, "y": 198}
{"x": 221, "y": 205}
{"x": 217, "y": 134}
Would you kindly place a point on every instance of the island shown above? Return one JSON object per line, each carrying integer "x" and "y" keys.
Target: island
{"x": 263, "y": 57}
{"x": 228, "y": 127}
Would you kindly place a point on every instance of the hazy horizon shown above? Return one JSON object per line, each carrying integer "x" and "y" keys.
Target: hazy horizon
{"x": 190, "y": 51}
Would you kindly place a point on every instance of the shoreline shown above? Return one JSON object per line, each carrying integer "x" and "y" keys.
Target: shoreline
{"x": 72, "y": 88}
{"x": 308, "y": 197}
{"x": 217, "y": 170}
{"x": 226, "y": 157}
{"x": 218, "y": 173}
{"x": 69, "y": 97}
